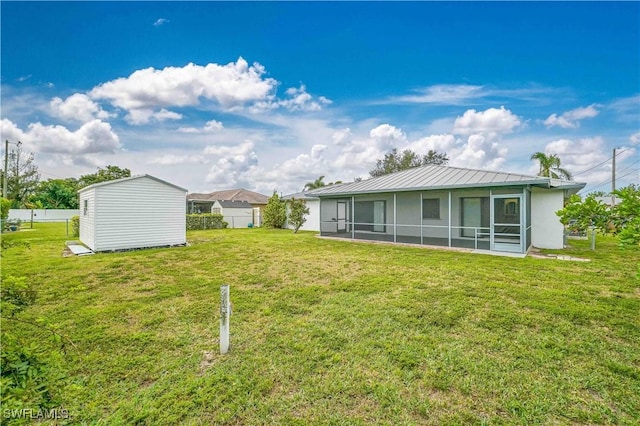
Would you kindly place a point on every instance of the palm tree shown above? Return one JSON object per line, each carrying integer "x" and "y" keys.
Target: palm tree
{"x": 318, "y": 183}
{"x": 550, "y": 166}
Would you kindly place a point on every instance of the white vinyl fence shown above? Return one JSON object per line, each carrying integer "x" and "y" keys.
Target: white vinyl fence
{"x": 43, "y": 215}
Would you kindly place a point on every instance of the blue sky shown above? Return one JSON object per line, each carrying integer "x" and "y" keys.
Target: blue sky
{"x": 268, "y": 96}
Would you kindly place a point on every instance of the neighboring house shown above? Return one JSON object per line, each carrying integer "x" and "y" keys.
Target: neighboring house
{"x": 449, "y": 206}
{"x": 134, "y": 212}
{"x": 313, "y": 218}
{"x": 238, "y": 214}
{"x": 203, "y": 203}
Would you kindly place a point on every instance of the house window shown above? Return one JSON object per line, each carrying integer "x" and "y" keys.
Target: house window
{"x": 85, "y": 207}
{"x": 431, "y": 208}
{"x": 370, "y": 216}
{"x": 216, "y": 210}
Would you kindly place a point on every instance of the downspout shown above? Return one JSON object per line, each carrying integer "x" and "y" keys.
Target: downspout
{"x": 449, "y": 208}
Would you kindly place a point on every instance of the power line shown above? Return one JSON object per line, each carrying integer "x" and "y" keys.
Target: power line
{"x": 591, "y": 168}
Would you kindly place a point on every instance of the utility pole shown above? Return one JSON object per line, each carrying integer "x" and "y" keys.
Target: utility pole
{"x": 613, "y": 179}
{"x": 6, "y": 166}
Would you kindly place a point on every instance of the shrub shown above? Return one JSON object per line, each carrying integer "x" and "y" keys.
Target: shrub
{"x": 6, "y": 205}
{"x": 297, "y": 211}
{"x": 275, "y": 212}
{"x": 206, "y": 221}
{"x": 31, "y": 371}
{"x": 75, "y": 226}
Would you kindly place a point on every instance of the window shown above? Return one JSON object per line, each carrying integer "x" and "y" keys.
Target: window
{"x": 85, "y": 207}
{"x": 431, "y": 208}
{"x": 370, "y": 216}
{"x": 216, "y": 210}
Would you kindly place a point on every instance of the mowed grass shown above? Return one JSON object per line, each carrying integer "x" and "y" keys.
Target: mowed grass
{"x": 335, "y": 332}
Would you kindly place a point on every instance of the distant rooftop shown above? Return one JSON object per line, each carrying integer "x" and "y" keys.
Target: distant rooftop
{"x": 240, "y": 194}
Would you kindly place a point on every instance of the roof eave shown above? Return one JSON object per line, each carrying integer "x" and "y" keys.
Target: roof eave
{"x": 537, "y": 182}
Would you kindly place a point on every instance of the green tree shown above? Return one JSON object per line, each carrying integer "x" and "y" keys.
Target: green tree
{"x": 103, "y": 175}
{"x": 578, "y": 214}
{"x": 57, "y": 194}
{"x": 22, "y": 177}
{"x": 625, "y": 215}
{"x": 395, "y": 161}
{"x": 550, "y": 166}
{"x": 297, "y": 211}
{"x": 275, "y": 212}
{"x": 318, "y": 183}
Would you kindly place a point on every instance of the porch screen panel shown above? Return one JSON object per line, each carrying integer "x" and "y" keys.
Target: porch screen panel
{"x": 475, "y": 214}
{"x": 370, "y": 216}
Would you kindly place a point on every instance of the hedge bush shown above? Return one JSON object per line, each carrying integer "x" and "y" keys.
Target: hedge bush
{"x": 75, "y": 226}
{"x": 205, "y": 221}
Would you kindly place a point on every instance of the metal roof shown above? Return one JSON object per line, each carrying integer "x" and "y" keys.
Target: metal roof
{"x": 300, "y": 195}
{"x": 441, "y": 177}
{"x": 111, "y": 182}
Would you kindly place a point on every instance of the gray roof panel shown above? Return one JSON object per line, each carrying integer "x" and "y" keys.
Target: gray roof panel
{"x": 440, "y": 177}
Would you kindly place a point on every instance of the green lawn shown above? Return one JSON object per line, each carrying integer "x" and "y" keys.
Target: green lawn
{"x": 334, "y": 332}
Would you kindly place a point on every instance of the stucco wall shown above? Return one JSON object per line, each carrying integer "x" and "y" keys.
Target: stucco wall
{"x": 546, "y": 229}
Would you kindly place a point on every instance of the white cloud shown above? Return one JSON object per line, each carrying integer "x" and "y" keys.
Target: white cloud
{"x": 491, "y": 121}
{"x": 93, "y": 137}
{"x": 233, "y": 162}
{"x": 144, "y": 116}
{"x": 387, "y": 135}
{"x": 442, "y": 143}
{"x": 341, "y": 137}
{"x": 231, "y": 85}
{"x": 580, "y": 155}
{"x": 443, "y": 94}
{"x": 172, "y": 159}
{"x": 318, "y": 150}
{"x": 77, "y": 107}
{"x": 160, "y": 21}
{"x": 571, "y": 119}
{"x": 464, "y": 94}
{"x": 479, "y": 152}
{"x": 299, "y": 100}
{"x": 211, "y": 126}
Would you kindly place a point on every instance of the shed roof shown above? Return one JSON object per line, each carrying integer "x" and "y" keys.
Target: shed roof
{"x": 442, "y": 177}
{"x": 116, "y": 181}
{"x": 231, "y": 204}
{"x": 240, "y": 194}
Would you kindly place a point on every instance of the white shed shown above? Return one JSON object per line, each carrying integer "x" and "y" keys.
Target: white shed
{"x": 134, "y": 212}
{"x": 238, "y": 214}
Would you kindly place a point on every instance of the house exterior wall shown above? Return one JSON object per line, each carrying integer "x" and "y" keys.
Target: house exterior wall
{"x": 87, "y": 218}
{"x": 138, "y": 213}
{"x": 313, "y": 218}
{"x": 546, "y": 229}
{"x": 235, "y": 217}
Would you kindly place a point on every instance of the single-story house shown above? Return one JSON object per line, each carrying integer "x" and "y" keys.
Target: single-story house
{"x": 203, "y": 203}
{"x": 238, "y": 214}
{"x": 134, "y": 212}
{"x": 313, "y": 204}
{"x": 449, "y": 206}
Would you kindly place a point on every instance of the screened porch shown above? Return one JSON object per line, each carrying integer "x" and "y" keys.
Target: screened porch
{"x": 483, "y": 219}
